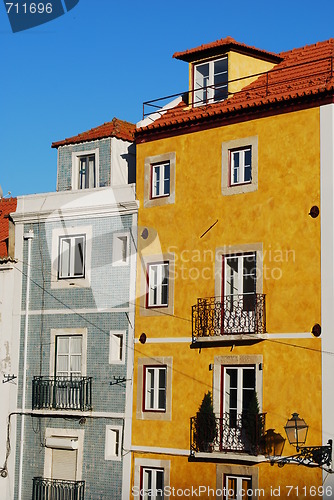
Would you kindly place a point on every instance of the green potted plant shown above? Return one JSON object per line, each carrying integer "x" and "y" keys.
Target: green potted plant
{"x": 205, "y": 427}
{"x": 253, "y": 426}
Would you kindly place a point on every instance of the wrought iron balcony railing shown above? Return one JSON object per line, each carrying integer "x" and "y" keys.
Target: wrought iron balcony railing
{"x": 231, "y": 315}
{"x": 234, "y": 433}
{"x": 57, "y": 489}
{"x": 62, "y": 393}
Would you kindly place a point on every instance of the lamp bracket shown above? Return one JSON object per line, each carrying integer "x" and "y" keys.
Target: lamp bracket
{"x": 310, "y": 456}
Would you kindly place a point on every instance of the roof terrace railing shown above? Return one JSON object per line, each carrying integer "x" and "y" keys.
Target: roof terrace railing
{"x": 265, "y": 85}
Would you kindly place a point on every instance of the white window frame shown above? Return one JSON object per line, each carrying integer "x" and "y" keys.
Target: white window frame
{"x": 69, "y": 231}
{"x": 161, "y": 159}
{"x": 113, "y": 442}
{"x": 71, "y": 256}
{"x": 240, "y": 388}
{"x": 155, "y": 284}
{"x": 154, "y": 378}
{"x": 69, "y": 355}
{"x": 151, "y": 493}
{"x": 147, "y": 463}
{"x": 239, "y": 492}
{"x": 161, "y": 168}
{"x": 76, "y": 156}
{"x": 77, "y": 434}
{"x": 228, "y": 186}
{"x": 120, "y": 249}
{"x": 68, "y": 332}
{"x": 249, "y": 472}
{"x": 117, "y": 347}
{"x": 141, "y": 412}
{"x": 241, "y": 169}
{"x": 247, "y": 361}
{"x": 207, "y": 89}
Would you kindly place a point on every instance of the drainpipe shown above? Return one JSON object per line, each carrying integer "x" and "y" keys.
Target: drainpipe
{"x": 29, "y": 237}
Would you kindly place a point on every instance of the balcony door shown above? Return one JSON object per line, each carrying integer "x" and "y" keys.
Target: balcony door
{"x": 68, "y": 371}
{"x": 239, "y": 385}
{"x": 239, "y": 293}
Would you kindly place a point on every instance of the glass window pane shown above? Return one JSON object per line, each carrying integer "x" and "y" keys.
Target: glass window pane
{"x": 79, "y": 257}
{"x": 75, "y": 366}
{"x": 63, "y": 345}
{"x": 76, "y": 343}
{"x": 231, "y": 488}
{"x": 65, "y": 247}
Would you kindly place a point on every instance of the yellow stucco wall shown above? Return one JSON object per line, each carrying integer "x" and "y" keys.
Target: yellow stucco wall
{"x": 275, "y": 215}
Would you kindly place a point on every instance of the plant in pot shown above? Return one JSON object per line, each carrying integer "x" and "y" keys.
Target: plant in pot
{"x": 253, "y": 426}
{"x": 205, "y": 427}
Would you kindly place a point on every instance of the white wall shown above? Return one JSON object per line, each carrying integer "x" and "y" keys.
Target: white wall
{"x": 327, "y": 274}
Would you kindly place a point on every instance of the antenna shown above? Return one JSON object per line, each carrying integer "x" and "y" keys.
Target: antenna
{"x": 1, "y": 192}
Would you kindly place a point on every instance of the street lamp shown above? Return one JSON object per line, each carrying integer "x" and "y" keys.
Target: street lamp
{"x": 310, "y": 456}
{"x": 296, "y": 431}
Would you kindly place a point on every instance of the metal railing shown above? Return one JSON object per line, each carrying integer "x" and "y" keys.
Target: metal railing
{"x": 264, "y": 86}
{"x": 235, "y": 433}
{"x": 231, "y": 315}
{"x": 62, "y": 393}
{"x": 57, "y": 489}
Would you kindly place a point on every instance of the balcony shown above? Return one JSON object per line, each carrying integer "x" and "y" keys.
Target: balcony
{"x": 234, "y": 315}
{"x": 62, "y": 393}
{"x": 57, "y": 489}
{"x": 237, "y": 434}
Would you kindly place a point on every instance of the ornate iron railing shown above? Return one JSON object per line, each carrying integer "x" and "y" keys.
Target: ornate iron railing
{"x": 235, "y": 314}
{"x": 235, "y": 433}
{"x": 62, "y": 393}
{"x": 57, "y": 489}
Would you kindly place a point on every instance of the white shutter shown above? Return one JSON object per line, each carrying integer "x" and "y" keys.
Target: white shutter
{"x": 64, "y": 464}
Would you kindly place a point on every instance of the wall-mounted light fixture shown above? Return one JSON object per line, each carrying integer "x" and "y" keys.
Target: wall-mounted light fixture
{"x": 310, "y": 456}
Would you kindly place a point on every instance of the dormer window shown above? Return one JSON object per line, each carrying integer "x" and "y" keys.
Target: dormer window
{"x": 87, "y": 172}
{"x": 210, "y": 82}
{"x": 85, "y": 169}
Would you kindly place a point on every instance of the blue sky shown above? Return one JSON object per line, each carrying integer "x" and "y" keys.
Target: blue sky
{"x": 104, "y": 58}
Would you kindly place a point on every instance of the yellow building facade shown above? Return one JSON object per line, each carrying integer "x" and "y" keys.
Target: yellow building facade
{"x": 229, "y": 281}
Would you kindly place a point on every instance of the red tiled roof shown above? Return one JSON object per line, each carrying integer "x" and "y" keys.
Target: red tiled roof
{"x": 7, "y": 205}
{"x": 304, "y": 73}
{"x": 221, "y": 46}
{"x": 116, "y": 128}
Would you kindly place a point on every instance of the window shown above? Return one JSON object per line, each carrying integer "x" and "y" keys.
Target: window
{"x": 72, "y": 256}
{"x": 85, "y": 169}
{"x": 240, "y": 166}
{"x": 155, "y": 388}
{"x": 238, "y": 488}
{"x": 120, "y": 249}
{"x": 158, "y": 279}
{"x": 152, "y": 484}
{"x": 160, "y": 180}
{"x": 116, "y": 348}
{"x": 113, "y": 443}
{"x": 68, "y": 355}
{"x": 239, "y": 389}
{"x": 87, "y": 172}
{"x": 233, "y": 479}
{"x": 240, "y": 281}
{"x": 210, "y": 82}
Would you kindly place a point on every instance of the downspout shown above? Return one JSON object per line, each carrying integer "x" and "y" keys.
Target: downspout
{"x": 27, "y": 236}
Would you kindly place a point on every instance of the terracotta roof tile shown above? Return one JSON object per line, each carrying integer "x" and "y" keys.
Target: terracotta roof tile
{"x": 307, "y": 71}
{"x": 7, "y": 206}
{"x": 116, "y": 128}
{"x": 223, "y": 45}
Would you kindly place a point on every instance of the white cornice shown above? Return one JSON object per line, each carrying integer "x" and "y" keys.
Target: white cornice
{"x": 62, "y": 205}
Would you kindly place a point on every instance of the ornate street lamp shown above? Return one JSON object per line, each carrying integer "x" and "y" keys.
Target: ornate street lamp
{"x": 310, "y": 456}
